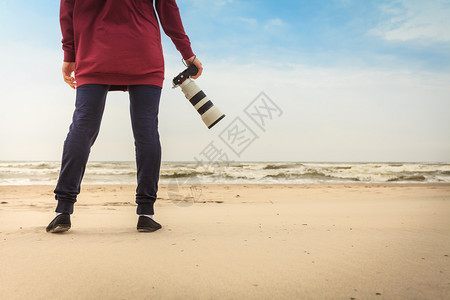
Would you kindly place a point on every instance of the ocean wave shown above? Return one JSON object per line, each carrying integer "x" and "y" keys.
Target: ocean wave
{"x": 395, "y": 165}
{"x": 310, "y": 175}
{"x": 345, "y": 168}
{"x": 235, "y": 172}
{"x": 185, "y": 174}
{"x": 109, "y": 172}
{"x": 280, "y": 166}
{"x": 419, "y": 178}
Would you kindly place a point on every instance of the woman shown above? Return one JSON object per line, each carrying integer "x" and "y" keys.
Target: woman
{"x": 116, "y": 45}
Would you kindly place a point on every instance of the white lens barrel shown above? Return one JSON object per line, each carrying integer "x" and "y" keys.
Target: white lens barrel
{"x": 211, "y": 114}
{"x": 189, "y": 88}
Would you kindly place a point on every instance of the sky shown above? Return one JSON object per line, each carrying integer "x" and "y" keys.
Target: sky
{"x": 348, "y": 81}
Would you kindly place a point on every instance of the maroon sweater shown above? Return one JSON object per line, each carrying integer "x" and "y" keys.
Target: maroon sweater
{"x": 118, "y": 42}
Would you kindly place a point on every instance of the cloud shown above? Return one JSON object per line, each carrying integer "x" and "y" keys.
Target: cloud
{"x": 365, "y": 113}
{"x": 274, "y": 24}
{"x": 409, "y": 20}
{"x": 253, "y": 25}
{"x": 248, "y": 21}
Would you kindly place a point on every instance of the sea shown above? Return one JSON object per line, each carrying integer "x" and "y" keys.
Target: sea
{"x": 122, "y": 172}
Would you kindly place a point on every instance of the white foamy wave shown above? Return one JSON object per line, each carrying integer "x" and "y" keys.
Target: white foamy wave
{"x": 31, "y": 173}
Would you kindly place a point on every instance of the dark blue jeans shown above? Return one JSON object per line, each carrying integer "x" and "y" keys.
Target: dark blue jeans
{"x": 89, "y": 107}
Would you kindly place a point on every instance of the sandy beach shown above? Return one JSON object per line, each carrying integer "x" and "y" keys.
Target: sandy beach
{"x": 342, "y": 241}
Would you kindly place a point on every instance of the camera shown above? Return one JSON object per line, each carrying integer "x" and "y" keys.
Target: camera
{"x": 210, "y": 114}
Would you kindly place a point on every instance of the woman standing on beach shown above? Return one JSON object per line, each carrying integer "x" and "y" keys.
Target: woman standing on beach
{"x": 116, "y": 45}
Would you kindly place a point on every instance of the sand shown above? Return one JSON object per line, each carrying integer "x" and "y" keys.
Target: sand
{"x": 233, "y": 242}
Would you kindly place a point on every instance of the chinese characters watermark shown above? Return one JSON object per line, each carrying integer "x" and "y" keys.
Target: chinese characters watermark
{"x": 237, "y": 136}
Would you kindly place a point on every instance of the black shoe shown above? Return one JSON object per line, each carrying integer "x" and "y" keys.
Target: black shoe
{"x": 60, "y": 223}
{"x": 146, "y": 224}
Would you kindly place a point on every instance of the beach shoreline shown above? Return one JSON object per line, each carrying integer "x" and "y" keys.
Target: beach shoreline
{"x": 228, "y": 241}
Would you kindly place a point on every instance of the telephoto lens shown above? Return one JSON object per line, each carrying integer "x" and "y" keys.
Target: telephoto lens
{"x": 210, "y": 114}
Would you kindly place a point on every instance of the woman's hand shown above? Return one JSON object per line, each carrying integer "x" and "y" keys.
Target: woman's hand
{"x": 68, "y": 68}
{"x": 196, "y": 63}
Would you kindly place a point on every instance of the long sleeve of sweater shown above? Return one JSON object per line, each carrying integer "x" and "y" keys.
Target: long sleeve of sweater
{"x": 169, "y": 16}
{"x": 66, "y": 22}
